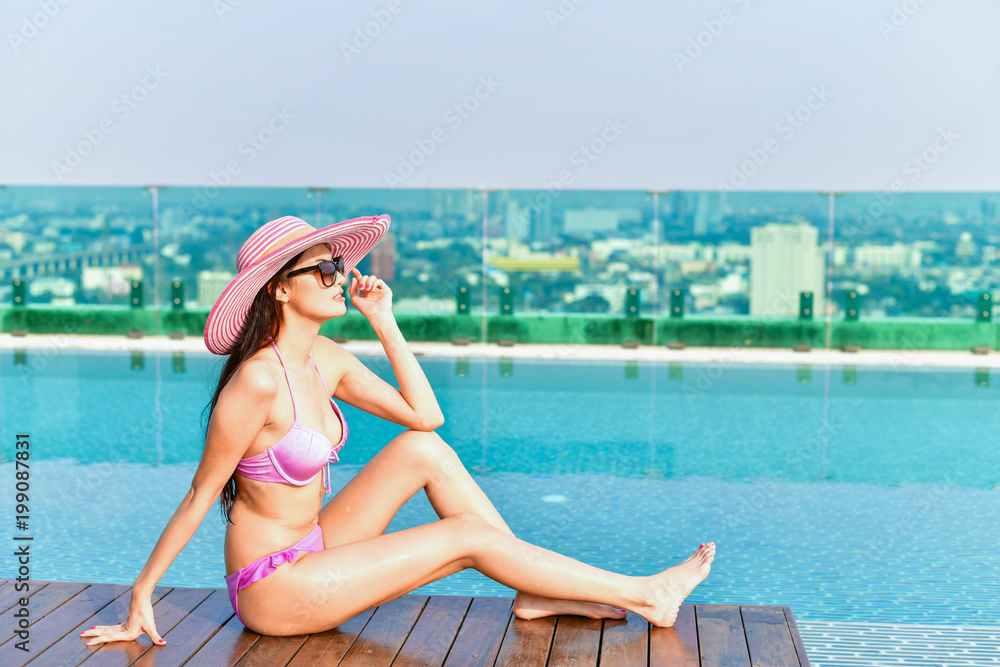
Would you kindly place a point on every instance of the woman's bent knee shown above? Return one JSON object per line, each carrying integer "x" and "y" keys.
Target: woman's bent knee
{"x": 470, "y": 535}
{"x": 427, "y": 450}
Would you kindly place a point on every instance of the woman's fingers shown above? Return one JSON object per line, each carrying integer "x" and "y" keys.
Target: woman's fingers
{"x": 365, "y": 283}
{"x": 102, "y": 634}
{"x": 106, "y": 633}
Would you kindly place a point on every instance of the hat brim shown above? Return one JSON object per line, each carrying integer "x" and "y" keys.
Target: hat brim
{"x": 351, "y": 239}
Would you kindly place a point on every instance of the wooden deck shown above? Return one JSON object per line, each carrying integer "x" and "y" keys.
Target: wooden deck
{"x": 201, "y": 629}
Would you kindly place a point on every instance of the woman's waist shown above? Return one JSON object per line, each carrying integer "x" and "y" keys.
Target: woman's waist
{"x": 251, "y": 537}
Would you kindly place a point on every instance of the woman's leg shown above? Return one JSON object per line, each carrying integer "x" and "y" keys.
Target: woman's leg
{"x": 323, "y": 589}
{"x": 422, "y": 459}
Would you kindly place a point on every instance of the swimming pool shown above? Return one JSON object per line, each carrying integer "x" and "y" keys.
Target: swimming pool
{"x": 850, "y": 494}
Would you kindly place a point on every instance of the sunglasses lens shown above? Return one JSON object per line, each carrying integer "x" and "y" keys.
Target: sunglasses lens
{"x": 330, "y": 269}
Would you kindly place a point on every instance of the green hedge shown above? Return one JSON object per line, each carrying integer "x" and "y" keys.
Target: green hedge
{"x": 889, "y": 334}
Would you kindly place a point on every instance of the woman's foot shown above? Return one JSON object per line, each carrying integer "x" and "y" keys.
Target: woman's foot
{"x": 668, "y": 589}
{"x": 529, "y": 606}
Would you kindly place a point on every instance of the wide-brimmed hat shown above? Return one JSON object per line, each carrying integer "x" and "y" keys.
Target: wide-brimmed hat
{"x": 267, "y": 250}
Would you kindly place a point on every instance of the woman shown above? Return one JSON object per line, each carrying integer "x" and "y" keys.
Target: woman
{"x": 270, "y": 440}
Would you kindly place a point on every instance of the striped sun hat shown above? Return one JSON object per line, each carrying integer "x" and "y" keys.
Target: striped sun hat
{"x": 267, "y": 250}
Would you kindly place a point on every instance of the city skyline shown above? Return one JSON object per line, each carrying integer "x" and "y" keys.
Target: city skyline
{"x": 925, "y": 255}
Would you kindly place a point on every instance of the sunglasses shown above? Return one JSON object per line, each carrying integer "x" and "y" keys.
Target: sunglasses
{"x": 328, "y": 270}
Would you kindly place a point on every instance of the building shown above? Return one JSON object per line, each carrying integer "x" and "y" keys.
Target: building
{"x": 590, "y": 221}
{"x": 542, "y": 227}
{"x": 211, "y": 284}
{"x": 520, "y": 258}
{"x": 382, "y": 259}
{"x": 517, "y": 221}
{"x": 784, "y": 261}
{"x": 111, "y": 279}
{"x": 897, "y": 256}
{"x": 965, "y": 246}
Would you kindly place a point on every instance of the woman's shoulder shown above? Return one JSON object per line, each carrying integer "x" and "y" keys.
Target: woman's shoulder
{"x": 256, "y": 377}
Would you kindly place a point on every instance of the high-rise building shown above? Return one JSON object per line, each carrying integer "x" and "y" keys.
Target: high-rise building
{"x": 383, "y": 258}
{"x": 542, "y": 226}
{"x": 701, "y": 214}
{"x": 517, "y": 221}
{"x": 784, "y": 261}
{"x": 211, "y": 284}
{"x": 991, "y": 211}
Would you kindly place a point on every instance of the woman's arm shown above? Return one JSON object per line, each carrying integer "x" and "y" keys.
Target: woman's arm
{"x": 413, "y": 404}
{"x": 238, "y": 416}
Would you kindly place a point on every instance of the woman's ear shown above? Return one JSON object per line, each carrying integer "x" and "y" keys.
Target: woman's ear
{"x": 281, "y": 292}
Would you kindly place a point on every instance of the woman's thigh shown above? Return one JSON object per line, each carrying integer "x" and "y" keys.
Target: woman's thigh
{"x": 365, "y": 506}
{"x": 321, "y": 590}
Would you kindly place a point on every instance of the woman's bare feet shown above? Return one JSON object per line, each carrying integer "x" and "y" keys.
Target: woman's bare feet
{"x": 668, "y": 589}
{"x": 529, "y": 606}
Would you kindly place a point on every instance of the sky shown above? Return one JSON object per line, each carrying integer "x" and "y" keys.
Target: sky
{"x": 731, "y": 95}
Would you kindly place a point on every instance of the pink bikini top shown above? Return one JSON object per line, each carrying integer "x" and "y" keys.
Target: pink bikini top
{"x": 301, "y": 454}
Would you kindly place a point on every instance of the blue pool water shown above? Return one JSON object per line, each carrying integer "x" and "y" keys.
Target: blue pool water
{"x": 847, "y": 494}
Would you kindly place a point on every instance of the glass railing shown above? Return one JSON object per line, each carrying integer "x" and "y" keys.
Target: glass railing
{"x": 671, "y": 257}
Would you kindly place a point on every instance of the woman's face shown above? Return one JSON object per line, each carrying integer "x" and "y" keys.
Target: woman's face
{"x": 307, "y": 295}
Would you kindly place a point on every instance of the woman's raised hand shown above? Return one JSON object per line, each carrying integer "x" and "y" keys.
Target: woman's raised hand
{"x": 139, "y": 621}
{"x": 370, "y": 295}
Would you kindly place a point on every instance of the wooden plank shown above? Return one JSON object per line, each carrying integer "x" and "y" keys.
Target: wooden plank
{"x": 625, "y": 642}
{"x": 767, "y": 636}
{"x": 226, "y": 647}
{"x": 677, "y": 645}
{"x": 10, "y": 595}
{"x": 185, "y": 638}
{"x": 168, "y": 612}
{"x": 385, "y": 633}
{"x": 52, "y": 627}
{"x": 270, "y": 650}
{"x": 577, "y": 641}
{"x": 527, "y": 642}
{"x": 72, "y": 649}
{"x": 432, "y": 636}
{"x": 329, "y": 648}
{"x": 793, "y": 629}
{"x": 41, "y": 603}
{"x": 721, "y": 637}
{"x": 478, "y": 640}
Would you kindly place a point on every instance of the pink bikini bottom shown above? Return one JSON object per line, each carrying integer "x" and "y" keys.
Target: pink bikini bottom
{"x": 265, "y": 565}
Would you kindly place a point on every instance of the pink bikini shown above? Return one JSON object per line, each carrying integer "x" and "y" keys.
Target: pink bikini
{"x": 300, "y": 455}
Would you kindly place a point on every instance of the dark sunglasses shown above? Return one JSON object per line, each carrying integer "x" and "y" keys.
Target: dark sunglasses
{"x": 328, "y": 270}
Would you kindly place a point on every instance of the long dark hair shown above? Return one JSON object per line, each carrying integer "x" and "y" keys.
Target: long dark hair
{"x": 261, "y": 327}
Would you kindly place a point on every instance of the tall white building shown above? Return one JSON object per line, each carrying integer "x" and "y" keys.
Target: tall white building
{"x": 785, "y": 260}
{"x": 517, "y": 221}
{"x": 211, "y": 285}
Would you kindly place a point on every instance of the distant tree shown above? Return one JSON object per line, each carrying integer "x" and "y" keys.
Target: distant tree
{"x": 589, "y": 304}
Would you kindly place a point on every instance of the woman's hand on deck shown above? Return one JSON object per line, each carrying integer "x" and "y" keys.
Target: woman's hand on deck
{"x": 139, "y": 621}
{"x": 370, "y": 295}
